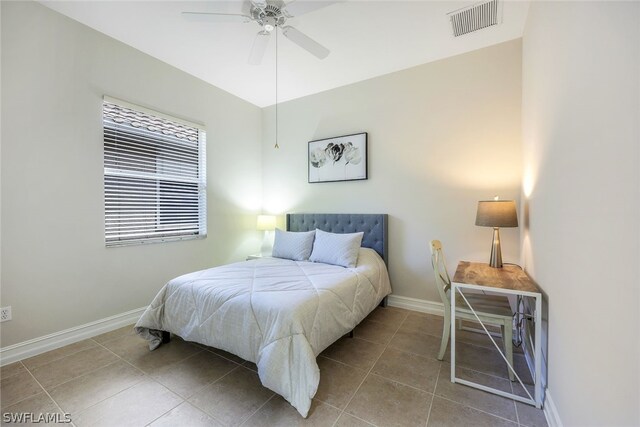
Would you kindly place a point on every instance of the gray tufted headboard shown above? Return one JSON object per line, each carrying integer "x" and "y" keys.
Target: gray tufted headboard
{"x": 374, "y": 227}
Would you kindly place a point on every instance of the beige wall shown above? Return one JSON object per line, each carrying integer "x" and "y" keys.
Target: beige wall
{"x": 581, "y": 186}
{"x": 441, "y": 137}
{"x": 56, "y": 271}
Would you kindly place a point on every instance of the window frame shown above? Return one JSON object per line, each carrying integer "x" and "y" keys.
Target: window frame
{"x": 173, "y": 181}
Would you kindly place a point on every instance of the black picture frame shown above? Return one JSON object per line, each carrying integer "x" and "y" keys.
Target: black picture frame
{"x": 337, "y": 159}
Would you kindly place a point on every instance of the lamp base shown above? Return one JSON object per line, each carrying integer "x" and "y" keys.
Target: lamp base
{"x": 496, "y": 252}
{"x": 267, "y": 244}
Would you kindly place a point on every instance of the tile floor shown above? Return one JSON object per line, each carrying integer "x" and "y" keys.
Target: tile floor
{"x": 386, "y": 376}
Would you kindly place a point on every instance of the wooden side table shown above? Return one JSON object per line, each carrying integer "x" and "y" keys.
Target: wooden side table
{"x": 508, "y": 280}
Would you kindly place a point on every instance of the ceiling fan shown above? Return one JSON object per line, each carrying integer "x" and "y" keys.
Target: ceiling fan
{"x": 270, "y": 15}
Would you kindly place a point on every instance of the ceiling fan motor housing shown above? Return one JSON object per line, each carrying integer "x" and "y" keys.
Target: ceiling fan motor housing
{"x": 269, "y": 16}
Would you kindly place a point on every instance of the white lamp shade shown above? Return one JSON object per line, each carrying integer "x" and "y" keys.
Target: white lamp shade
{"x": 266, "y": 222}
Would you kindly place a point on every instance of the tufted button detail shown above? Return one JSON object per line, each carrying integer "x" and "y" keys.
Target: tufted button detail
{"x": 371, "y": 224}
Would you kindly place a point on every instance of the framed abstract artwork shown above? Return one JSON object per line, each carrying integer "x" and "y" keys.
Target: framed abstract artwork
{"x": 342, "y": 158}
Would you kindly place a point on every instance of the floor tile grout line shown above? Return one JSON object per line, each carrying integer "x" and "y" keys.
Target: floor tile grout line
{"x": 424, "y": 357}
{"x": 147, "y": 375}
{"x": 372, "y": 342}
{"x": 400, "y": 383}
{"x": 370, "y": 320}
{"x": 59, "y": 358}
{"x": 365, "y": 421}
{"x": 461, "y": 340}
{"x": 73, "y": 378}
{"x": 342, "y": 413}
{"x": 459, "y": 403}
{"x": 219, "y": 379}
{"x": 113, "y": 395}
{"x": 515, "y": 405}
{"x": 202, "y": 387}
{"x": 123, "y": 359}
{"x": 43, "y": 389}
{"x": 13, "y": 375}
{"x": 446, "y": 361}
{"x": 335, "y": 407}
{"x": 356, "y": 417}
{"x": 433, "y": 396}
{"x": 339, "y": 414}
{"x": 413, "y": 354}
{"x": 97, "y": 345}
{"x": 23, "y": 399}
{"x": 130, "y": 387}
{"x": 144, "y": 376}
{"x": 480, "y": 372}
{"x": 164, "y": 413}
{"x": 238, "y": 365}
{"x": 366, "y": 374}
{"x": 373, "y": 366}
{"x": 378, "y": 322}
{"x": 212, "y": 382}
{"x": 93, "y": 371}
{"x": 257, "y": 410}
{"x": 476, "y": 409}
{"x": 225, "y": 358}
{"x": 47, "y": 393}
{"x": 342, "y": 363}
{"x": 114, "y": 338}
{"x": 215, "y": 381}
{"x": 170, "y": 364}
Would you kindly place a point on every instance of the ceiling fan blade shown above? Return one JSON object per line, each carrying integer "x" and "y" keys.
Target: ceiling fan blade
{"x": 215, "y": 17}
{"x": 259, "y": 47}
{"x": 305, "y": 42}
{"x": 300, "y": 7}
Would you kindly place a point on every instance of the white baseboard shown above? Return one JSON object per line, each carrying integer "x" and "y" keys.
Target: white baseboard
{"x": 415, "y": 304}
{"x": 551, "y": 411}
{"x": 39, "y": 345}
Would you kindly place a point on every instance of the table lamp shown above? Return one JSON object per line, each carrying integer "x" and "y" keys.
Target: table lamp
{"x": 496, "y": 213}
{"x": 266, "y": 223}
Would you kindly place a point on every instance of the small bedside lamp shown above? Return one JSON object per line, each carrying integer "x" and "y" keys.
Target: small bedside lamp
{"x": 496, "y": 213}
{"x": 266, "y": 223}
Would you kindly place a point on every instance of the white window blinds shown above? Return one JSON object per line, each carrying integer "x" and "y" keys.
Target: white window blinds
{"x": 154, "y": 176}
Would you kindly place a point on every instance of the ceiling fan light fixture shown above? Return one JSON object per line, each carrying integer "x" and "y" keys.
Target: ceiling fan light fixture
{"x": 269, "y": 24}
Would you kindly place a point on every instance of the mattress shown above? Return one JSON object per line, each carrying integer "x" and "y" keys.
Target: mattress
{"x": 279, "y": 314}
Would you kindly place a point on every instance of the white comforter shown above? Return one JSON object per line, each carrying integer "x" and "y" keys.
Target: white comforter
{"x": 277, "y": 313}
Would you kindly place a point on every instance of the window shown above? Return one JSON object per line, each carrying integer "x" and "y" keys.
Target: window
{"x": 154, "y": 176}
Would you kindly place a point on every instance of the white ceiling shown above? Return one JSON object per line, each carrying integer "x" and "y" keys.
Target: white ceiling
{"x": 366, "y": 39}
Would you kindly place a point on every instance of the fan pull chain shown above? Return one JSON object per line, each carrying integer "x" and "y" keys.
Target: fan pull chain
{"x": 276, "y": 146}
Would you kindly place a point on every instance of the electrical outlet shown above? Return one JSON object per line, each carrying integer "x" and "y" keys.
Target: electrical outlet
{"x": 5, "y": 314}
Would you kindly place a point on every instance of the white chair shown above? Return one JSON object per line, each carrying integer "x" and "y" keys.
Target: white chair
{"x": 491, "y": 309}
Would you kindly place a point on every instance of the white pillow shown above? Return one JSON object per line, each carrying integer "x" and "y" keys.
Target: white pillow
{"x": 293, "y": 245}
{"x": 336, "y": 248}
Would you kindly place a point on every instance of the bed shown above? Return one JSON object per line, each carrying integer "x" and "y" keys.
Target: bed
{"x": 277, "y": 313}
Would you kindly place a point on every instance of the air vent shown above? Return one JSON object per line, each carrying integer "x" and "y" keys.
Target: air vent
{"x": 475, "y": 17}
